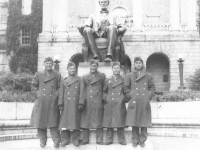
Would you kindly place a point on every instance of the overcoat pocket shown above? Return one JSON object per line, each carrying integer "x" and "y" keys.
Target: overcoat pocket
{"x": 132, "y": 105}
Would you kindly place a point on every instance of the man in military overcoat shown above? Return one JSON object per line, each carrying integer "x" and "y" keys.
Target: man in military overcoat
{"x": 68, "y": 103}
{"x": 91, "y": 103}
{"x": 139, "y": 89}
{"x": 114, "y": 108}
{"x": 45, "y": 112}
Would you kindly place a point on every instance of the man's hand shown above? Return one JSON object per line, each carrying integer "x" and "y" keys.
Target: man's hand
{"x": 80, "y": 107}
{"x": 61, "y": 108}
{"x": 121, "y": 30}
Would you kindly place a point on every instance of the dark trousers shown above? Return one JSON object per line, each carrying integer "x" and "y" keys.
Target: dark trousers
{"x": 55, "y": 135}
{"x": 65, "y": 136}
{"x": 86, "y": 135}
{"x": 138, "y": 137}
{"x": 111, "y": 35}
{"x": 120, "y": 134}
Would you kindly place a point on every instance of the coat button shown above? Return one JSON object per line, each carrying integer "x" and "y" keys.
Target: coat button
{"x": 68, "y": 98}
{"x": 135, "y": 83}
{"x": 112, "y": 93}
{"x": 112, "y": 98}
{"x": 136, "y": 88}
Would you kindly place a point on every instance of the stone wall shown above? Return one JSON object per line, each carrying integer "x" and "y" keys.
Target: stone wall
{"x": 142, "y": 46}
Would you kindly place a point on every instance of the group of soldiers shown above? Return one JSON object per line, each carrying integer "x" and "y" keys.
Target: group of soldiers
{"x": 68, "y": 105}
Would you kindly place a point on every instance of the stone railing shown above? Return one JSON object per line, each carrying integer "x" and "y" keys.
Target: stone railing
{"x": 160, "y": 28}
{"x": 156, "y": 28}
{"x": 72, "y": 29}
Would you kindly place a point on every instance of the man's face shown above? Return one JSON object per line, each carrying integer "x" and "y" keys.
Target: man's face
{"x": 93, "y": 68}
{"x": 138, "y": 65}
{"x": 48, "y": 65}
{"x": 104, "y": 4}
{"x": 72, "y": 70}
{"x": 116, "y": 70}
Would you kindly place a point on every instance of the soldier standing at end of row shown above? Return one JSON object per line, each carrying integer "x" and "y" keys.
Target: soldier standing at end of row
{"x": 139, "y": 89}
{"x": 68, "y": 103}
{"x": 45, "y": 112}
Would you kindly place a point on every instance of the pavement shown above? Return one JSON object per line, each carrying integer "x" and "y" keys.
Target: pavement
{"x": 159, "y": 143}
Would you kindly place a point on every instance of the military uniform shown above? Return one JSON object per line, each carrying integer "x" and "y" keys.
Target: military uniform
{"x": 70, "y": 117}
{"x": 114, "y": 108}
{"x": 91, "y": 97}
{"x": 139, "y": 88}
{"x": 45, "y": 112}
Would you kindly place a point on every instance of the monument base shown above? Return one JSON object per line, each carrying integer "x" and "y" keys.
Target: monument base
{"x": 104, "y": 67}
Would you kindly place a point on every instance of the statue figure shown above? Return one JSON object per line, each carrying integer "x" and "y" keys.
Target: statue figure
{"x": 103, "y": 31}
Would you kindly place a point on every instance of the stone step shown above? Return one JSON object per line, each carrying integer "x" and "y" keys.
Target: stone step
{"x": 172, "y": 128}
{"x": 49, "y": 146}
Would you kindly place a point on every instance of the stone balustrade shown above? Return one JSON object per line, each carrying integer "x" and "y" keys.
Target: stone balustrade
{"x": 156, "y": 28}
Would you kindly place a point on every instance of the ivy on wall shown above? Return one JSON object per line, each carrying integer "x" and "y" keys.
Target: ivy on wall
{"x": 23, "y": 58}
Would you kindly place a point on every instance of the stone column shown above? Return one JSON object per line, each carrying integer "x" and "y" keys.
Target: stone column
{"x": 191, "y": 16}
{"x": 175, "y": 15}
{"x": 47, "y": 20}
{"x": 62, "y": 16}
{"x": 137, "y": 16}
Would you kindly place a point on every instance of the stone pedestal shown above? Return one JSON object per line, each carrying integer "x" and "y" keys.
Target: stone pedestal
{"x": 104, "y": 67}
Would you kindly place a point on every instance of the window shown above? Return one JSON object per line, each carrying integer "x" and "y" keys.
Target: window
{"x": 25, "y": 36}
{"x": 4, "y": 11}
{"x": 26, "y": 7}
{"x": 2, "y": 39}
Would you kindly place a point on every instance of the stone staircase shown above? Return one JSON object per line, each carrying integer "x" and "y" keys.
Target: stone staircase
{"x": 20, "y": 129}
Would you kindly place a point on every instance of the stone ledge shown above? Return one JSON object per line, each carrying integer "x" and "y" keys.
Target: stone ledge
{"x": 182, "y": 122}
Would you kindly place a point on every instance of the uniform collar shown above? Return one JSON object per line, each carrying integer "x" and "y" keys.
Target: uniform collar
{"x": 104, "y": 11}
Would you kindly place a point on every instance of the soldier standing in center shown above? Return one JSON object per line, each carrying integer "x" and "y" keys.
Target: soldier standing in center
{"x": 114, "y": 108}
{"x": 91, "y": 103}
{"x": 68, "y": 103}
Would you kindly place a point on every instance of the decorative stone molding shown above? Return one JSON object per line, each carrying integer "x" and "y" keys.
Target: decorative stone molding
{"x": 158, "y": 27}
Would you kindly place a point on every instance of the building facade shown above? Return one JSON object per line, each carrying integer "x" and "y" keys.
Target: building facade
{"x": 3, "y": 26}
{"x": 160, "y": 32}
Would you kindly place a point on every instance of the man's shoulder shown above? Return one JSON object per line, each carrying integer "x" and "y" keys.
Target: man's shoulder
{"x": 101, "y": 74}
{"x": 40, "y": 72}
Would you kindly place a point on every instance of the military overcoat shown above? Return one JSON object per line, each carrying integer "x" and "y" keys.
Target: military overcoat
{"x": 140, "y": 91}
{"x": 45, "y": 112}
{"x": 91, "y": 97}
{"x": 69, "y": 97}
{"x": 114, "y": 108}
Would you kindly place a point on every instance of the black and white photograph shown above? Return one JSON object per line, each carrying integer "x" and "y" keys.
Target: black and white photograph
{"x": 100, "y": 74}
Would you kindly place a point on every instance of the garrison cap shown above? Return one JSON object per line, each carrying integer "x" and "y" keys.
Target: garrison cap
{"x": 138, "y": 59}
{"x": 70, "y": 63}
{"x": 116, "y": 63}
{"x": 48, "y": 59}
{"x": 92, "y": 61}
